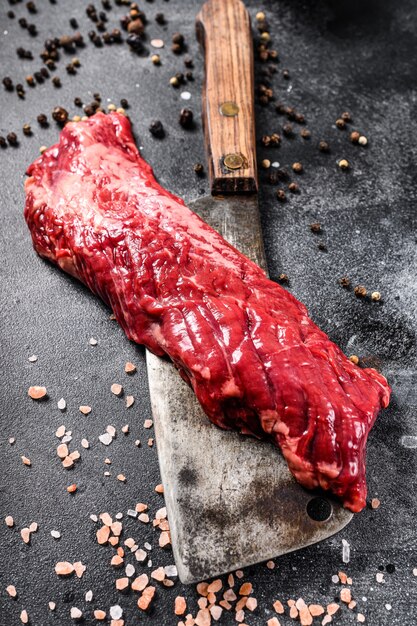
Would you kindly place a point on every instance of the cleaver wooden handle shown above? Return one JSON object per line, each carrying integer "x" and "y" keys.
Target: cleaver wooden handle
{"x": 224, "y": 32}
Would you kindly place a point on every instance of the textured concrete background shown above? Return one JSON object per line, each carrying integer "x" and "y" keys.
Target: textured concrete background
{"x": 355, "y": 56}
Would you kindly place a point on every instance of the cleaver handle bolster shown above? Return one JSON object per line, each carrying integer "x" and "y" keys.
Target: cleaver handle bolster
{"x": 224, "y": 32}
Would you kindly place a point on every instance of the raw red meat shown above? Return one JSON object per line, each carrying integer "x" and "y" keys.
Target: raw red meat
{"x": 255, "y": 360}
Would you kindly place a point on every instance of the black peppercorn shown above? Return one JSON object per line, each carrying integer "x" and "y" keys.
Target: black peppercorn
{"x": 38, "y": 77}
{"x": 50, "y": 64}
{"x": 345, "y": 282}
{"x": 73, "y": 23}
{"x": 3, "y": 142}
{"x": 31, "y": 7}
{"x": 178, "y": 38}
{"x": 340, "y": 123}
{"x": 44, "y": 72}
{"x": 283, "y": 278}
{"x": 322, "y": 246}
{"x": 23, "y": 22}
{"x": 42, "y": 119}
{"x": 305, "y": 133}
{"x": 78, "y": 39}
{"x": 27, "y": 129}
{"x": 60, "y": 115}
{"x": 124, "y": 103}
{"x": 89, "y": 110}
{"x": 30, "y": 80}
{"x": 8, "y": 83}
{"x": 286, "y": 74}
{"x": 56, "y": 81}
{"x": 282, "y": 175}
{"x": 199, "y": 169}
{"x": 12, "y": 139}
{"x": 324, "y": 146}
{"x": 189, "y": 76}
{"x": 186, "y": 118}
{"x": 293, "y": 187}
{"x": 287, "y": 129}
{"x": 188, "y": 62}
{"x": 156, "y": 129}
{"x": 315, "y": 227}
{"x": 176, "y": 48}
{"x": 281, "y": 195}
{"x": 11, "y": 15}
{"x": 78, "y": 102}
{"x": 32, "y": 30}
{"x": 160, "y": 18}
{"x": 117, "y": 35}
{"x": 71, "y": 69}
{"x": 346, "y": 116}
{"x": 135, "y": 43}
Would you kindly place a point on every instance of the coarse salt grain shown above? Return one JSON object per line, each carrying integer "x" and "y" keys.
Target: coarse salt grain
{"x": 278, "y": 607}
{"x": 130, "y": 570}
{"x": 116, "y": 389}
{"x": 55, "y": 534}
{"x": 140, "y": 555}
{"x": 26, "y": 461}
{"x": 52, "y": 606}
{"x": 24, "y": 617}
{"x": 130, "y": 400}
{"x": 33, "y": 358}
{"x": 130, "y": 368}
{"x": 75, "y": 613}
{"x": 89, "y": 596}
{"x": 37, "y": 393}
{"x": 11, "y": 590}
{"x": 60, "y": 432}
{"x": 92, "y": 341}
{"x": 106, "y": 439}
{"x": 64, "y": 568}
{"x": 85, "y": 409}
{"x": 9, "y": 521}
{"x": 62, "y": 405}
{"x": 380, "y": 577}
{"x": 79, "y": 569}
{"x": 148, "y": 423}
{"x": 85, "y": 444}
{"x": 116, "y": 611}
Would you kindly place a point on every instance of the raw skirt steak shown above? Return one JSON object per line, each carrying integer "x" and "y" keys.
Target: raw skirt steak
{"x": 247, "y": 347}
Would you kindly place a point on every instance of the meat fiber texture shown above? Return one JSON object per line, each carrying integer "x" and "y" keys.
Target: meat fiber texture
{"x": 255, "y": 360}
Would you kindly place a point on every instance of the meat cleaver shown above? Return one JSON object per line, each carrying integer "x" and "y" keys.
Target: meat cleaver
{"x": 231, "y": 500}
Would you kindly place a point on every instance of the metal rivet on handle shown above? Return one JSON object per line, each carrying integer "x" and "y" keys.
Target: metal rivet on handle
{"x": 319, "y": 509}
{"x": 233, "y": 161}
{"x": 229, "y": 109}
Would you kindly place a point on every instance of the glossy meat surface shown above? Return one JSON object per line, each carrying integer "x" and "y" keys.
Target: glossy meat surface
{"x": 253, "y": 357}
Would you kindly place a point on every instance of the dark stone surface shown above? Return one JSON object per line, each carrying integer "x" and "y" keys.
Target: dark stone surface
{"x": 356, "y": 56}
